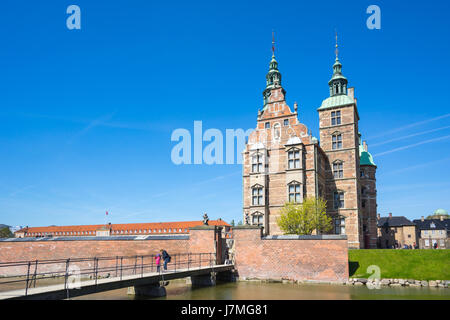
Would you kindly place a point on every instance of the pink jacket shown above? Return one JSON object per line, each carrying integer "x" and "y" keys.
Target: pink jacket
{"x": 158, "y": 259}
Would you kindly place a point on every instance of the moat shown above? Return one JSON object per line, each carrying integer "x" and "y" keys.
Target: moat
{"x": 178, "y": 290}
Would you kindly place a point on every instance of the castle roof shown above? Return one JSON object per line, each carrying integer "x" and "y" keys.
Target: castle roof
{"x": 127, "y": 228}
{"x": 432, "y": 224}
{"x": 399, "y": 221}
{"x": 336, "y": 101}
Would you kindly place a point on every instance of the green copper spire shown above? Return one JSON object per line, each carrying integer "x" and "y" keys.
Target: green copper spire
{"x": 337, "y": 83}
{"x": 273, "y": 77}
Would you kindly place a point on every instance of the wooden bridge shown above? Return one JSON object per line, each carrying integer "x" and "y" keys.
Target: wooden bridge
{"x": 82, "y": 276}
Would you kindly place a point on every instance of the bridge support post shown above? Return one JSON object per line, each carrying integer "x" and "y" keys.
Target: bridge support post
{"x": 226, "y": 276}
{"x": 148, "y": 290}
{"x": 206, "y": 280}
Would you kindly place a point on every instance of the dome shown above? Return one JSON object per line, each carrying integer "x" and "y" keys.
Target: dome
{"x": 440, "y": 212}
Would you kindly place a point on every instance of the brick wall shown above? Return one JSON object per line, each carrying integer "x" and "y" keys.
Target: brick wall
{"x": 315, "y": 259}
{"x": 200, "y": 240}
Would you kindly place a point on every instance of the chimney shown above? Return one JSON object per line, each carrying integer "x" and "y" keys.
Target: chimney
{"x": 390, "y": 214}
{"x": 351, "y": 92}
{"x": 365, "y": 145}
{"x": 422, "y": 218}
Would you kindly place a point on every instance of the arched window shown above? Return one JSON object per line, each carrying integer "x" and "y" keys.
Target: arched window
{"x": 338, "y": 169}
{"x": 294, "y": 192}
{"x": 276, "y": 131}
{"x": 294, "y": 158}
{"x": 257, "y": 195}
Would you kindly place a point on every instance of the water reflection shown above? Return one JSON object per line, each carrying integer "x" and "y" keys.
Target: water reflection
{"x": 178, "y": 290}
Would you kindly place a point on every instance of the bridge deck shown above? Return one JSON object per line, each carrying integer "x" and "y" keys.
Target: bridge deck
{"x": 92, "y": 286}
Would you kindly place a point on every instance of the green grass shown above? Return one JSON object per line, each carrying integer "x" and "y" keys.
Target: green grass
{"x": 401, "y": 264}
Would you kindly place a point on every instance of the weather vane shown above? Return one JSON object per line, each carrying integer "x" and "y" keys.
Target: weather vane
{"x": 337, "y": 50}
{"x": 273, "y": 43}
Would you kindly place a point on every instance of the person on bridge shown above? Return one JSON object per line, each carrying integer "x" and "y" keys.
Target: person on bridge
{"x": 158, "y": 262}
{"x": 165, "y": 257}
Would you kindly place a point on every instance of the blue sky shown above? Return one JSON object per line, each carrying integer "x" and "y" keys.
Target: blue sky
{"x": 86, "y": 115}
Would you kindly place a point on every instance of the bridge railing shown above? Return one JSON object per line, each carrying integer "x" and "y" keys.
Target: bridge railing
{"x": 72, "y": 271}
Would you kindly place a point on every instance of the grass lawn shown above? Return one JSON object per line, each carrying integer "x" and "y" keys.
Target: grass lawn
{"x": 401, "y": 264}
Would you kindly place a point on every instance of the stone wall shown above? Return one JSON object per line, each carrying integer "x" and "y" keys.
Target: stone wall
{"x": 299, "y": 258}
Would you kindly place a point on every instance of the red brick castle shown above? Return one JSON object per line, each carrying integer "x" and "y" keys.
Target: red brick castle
{"x": 284, "y": 162}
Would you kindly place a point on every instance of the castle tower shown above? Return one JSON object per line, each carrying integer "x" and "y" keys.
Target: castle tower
{"x": 338, "y": 117}
{"x": 280, "y": 158}
{"x": 283, "y": 162}
{"x": 367, "y": 178}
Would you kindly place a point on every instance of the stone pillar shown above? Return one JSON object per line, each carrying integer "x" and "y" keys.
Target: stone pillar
{"x": 148, "y": 290}
{"x": 206, "y": 239}
{"x": 206, "y": 280}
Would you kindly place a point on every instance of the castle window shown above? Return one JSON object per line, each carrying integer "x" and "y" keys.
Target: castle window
{"x": 339, "y": 225}
{"x": 294, "y": 159}
{"x": 257, "y": 219}
{"x": 362, "y": 173}
{"x": 338, "y": 199}
{"x": 363, "y": 190}
{"x": 338, "y": 169}
{"x": 286, "y": 122}
{"x": 294, "y": 192}
{"x": 267, "y": 125}
{"x": 257, "y": 196}
{"x": 276, "y": 131}
{"x": 257, "y": 163}
{"x": 363, "y": 203}
{"x": 335, "y": 118}
{"x": 337, "y": 141}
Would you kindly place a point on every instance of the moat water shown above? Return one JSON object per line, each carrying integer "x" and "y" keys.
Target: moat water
{"x": 179, "y": 290}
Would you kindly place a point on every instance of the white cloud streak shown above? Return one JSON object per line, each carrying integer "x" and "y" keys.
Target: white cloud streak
{"x": 410, "y": 126}
{"x": 410, "y": 136}
{"x": 411, "y": 146}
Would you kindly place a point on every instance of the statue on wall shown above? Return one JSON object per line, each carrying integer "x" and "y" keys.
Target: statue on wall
{"x": 247, "y": 222}
{"x": 205, "y": 219}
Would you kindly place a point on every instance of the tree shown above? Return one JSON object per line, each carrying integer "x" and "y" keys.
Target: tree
{"x": 304, "y": 218}
{"x": 240, "y": 223}
{"x": 232, "y": 223}
{"x": 6, "y": 233}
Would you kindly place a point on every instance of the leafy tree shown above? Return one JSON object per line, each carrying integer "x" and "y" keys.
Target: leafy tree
{"x": 304, "y": 218}
{"x": 240, "y": 223}
{"x": 232, "y": 223}
{"x": 6, "y": 233}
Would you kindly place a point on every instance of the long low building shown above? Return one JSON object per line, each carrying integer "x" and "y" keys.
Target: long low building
{"x": 181, "y": 227}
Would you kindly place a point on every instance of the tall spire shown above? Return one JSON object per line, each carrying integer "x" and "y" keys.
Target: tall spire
{"x": 273, "y": 77}
{"x": 338, "y": 83}
{"x": 273, "y": 44}
{"x": 337, "y": 50}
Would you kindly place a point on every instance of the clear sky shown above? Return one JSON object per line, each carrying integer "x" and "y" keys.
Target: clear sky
{"x": 86, "y": 115}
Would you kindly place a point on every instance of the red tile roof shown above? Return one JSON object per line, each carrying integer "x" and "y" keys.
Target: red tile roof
{"x": 119, "y": 229}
